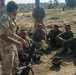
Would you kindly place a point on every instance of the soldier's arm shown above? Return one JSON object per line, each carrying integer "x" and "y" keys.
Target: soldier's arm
{"x": 59, "y": 37}
{"x": 49, "y": 35}
{"x": 72, "y": 39}
{"x": 44, "y": 35}
{"x": 4, "y": 36}
{"x": 34, "y": 35}
{"x": 43, "y": 12}
{"x": 21, "y": 40}
{"x": 10, "y": 40}
{"x": 72, "y": 34}
{"x": 5, "y": 32}
{"x": 44, "y": 38}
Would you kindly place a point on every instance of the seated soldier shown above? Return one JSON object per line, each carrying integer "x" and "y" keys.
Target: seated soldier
{"x": 63, "y": 38}
{"x": 51, "y": 37}
{"x": 23, "y": 34}
{"x": 39, "y": 34}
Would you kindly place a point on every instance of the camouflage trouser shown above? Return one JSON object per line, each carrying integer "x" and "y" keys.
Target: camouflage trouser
{"x": 72, "y": 42}
{"x": 38, "y": 22}
{"x": 9, "y": 61}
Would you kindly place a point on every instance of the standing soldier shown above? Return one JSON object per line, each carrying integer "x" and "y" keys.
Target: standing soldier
{"x": 9, "y": 40}
{"x": 38, "y": 14}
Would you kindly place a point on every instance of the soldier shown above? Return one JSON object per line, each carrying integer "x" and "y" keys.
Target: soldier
{"x": 38, "y": 14}
{"x": 9, "y": 40}
{"x": 24, "y": 35}
{"x": 39, "y": 35}
{"x": 51, "y": 36}
{"x": 64, "y": 37}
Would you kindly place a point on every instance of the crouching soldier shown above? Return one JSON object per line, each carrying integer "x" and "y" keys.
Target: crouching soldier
{"x": 39, "y": 35}
{"x": 63, "y": 38}
{"x": 23, "y": 33}
{"x": 51, "y": 37}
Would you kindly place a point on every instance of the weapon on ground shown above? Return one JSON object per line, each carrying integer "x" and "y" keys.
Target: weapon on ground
{"x": 27, "y": 67}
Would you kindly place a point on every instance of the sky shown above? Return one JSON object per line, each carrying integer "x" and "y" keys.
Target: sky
{"x": 29, "y": 1}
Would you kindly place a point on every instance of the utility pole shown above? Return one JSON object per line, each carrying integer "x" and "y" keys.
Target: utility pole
{"x": 2, "y": 7}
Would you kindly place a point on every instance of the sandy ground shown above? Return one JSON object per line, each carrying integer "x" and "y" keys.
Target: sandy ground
{"x": 68, "y": 66}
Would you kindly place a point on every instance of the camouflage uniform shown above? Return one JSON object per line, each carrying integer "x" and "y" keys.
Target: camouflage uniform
{"x": 65, "y": 46}
{"x": 23, "y": 34}
{"x": 38, "y": 15}
{"x": 29, "y": 42}
{"x": 8, "y": 50}
{"x": 52, "y": 36}
{"x": 39, "y": 36}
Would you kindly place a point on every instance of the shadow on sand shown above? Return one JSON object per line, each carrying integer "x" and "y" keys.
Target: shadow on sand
{"x": 54, "y": 68}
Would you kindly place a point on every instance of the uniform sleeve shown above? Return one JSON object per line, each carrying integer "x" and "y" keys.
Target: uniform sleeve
{"x": 72, "y": 39}
{"x": 72, "y": 35}
{"x": 4, "y": 24}
{"x": 59, "y": 36}
{"x": 50, "y": 34}
{"x": 34, "y": 35}
{"x": 44, "y": 34}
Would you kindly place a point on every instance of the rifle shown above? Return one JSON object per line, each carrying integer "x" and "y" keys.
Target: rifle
{"x": 28, "y": 66}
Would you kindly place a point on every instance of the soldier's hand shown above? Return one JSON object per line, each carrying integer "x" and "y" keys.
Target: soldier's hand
{"x": 64, "y": 41}
{"x": 19, "y": 44}
{"x": 26, "y": 44}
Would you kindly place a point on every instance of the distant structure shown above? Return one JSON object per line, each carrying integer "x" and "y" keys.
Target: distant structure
{"x": 2, "y": 7}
